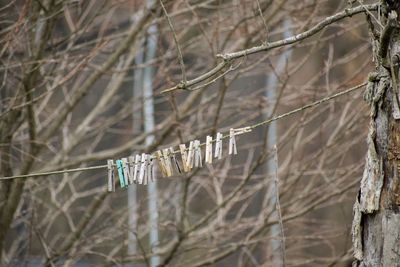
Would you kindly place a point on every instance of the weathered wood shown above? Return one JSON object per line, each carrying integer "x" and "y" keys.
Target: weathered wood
{"x": 376, "y": 222}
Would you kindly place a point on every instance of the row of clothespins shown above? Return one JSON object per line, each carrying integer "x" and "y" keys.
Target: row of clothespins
{"x": 139, "y": 169}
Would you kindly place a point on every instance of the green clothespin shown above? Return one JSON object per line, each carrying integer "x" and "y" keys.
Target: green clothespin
{"x": 120, "y": 173}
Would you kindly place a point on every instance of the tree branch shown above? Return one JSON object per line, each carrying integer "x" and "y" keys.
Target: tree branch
{"x": 228, "y": 57}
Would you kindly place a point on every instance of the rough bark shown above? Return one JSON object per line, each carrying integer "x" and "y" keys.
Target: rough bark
{"x": 376, "y": 223}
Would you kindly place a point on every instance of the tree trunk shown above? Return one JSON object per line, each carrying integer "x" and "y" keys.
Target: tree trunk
{"x": 376, "y": 223}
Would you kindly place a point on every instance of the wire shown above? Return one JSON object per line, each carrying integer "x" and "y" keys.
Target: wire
{"x": 54, "y": 172}
{"x": 316, "y": 103}
{"x": 262, "y": 123}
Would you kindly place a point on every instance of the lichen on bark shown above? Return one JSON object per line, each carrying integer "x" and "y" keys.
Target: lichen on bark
{"x": 376, "y": 221}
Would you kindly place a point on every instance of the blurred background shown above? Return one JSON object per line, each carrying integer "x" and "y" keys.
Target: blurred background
{"x": 82, "y": 82}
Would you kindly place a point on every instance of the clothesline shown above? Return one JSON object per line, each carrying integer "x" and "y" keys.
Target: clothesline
{"x": 250, "y": 127}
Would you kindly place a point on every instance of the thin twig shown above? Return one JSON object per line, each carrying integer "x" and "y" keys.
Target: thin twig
{"x": 278, "y": 206}
{"x": 369, "y": 13}
{"x": 176, "y": 43}
{"x": 199, "y": 79}
{"x": 263, "y": 20}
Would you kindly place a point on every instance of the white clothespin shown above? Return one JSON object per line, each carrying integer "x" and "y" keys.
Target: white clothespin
{"x": 174, "y": 160}
{"x": 197, "y": 154}
{"x": 167, "y": 161}
{"x": 184, "y": 156}
{"x": 142, "y": 168}
{"x": 190, "y": 157}
{"x": 218, "y": 146}
{"x": 232, "y": 141}
{"x": 110, "y": 167}
{"x": 151, "y": 169}
{"x": 242, "y": 130}
{"x": 136, "y": 168}
{"x": 125, "y": 169}
{"x": 161, "y": 163}
{"x": 208, "y": 149}
{"x": 131, "y": 162}
{"x": 147, "y": 172}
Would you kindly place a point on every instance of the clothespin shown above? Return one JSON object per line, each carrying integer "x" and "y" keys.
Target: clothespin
{"x": 242, "y": 130}
{"x": 151, "y": 169}
{"x": 197, "y": 154}
{"x": 190, "y": 157}
{"x": 111, "y": 184}
{"x": 167, "y": 162}
{"x": 120, "y": 173}
{"x": 142, "y": 168}
{"x": 232, "y": 141}
{"x": 184, "y": 156}
{"x": 174, "y": 160}
{"x": 131, "y": 162}
{"x": 161, "y": 163}
{"x": 147, "y": 173}
{"x": 218, "y": 146}
{"x": 125, "y": 169}
{"x": 144, "y": 180}
{"x": 136, "y": 168}
{"x": 208, "y": 149}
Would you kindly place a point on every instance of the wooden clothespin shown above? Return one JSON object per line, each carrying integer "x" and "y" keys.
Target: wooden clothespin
{"x": 232, "y": 141}
{"x": 125, "y": 169}
{"x": 218, "y": 146}
{"x": 120, "y": 173}
{"x": 150, "y": 169}
{"x": 174, "y": 160}
{"x": 184, "y": 156}
{"x": 136, "y": 168}
{"x": 208, "y": 149}
{"x": 190, "y": 157}
{"x": 161, "y": 163}
{"x": 131, "y": 162}
{"x": 142, "y": 171}
{"x": 197, "y": 154}
{"x": 111, "y": 184}
{"x": 147, "y": 173}
{"x": 167, "y": 161}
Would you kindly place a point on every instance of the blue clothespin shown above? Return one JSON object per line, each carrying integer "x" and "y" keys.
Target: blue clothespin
{"x": 120, "y": 173}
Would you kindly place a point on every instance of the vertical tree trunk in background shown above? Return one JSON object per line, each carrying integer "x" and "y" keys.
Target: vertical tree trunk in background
{"x": 272, "y": 86}
{"x": 376, "y": 223}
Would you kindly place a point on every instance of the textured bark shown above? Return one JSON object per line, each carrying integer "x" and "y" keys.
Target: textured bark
{"x": 376, "y": 223}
